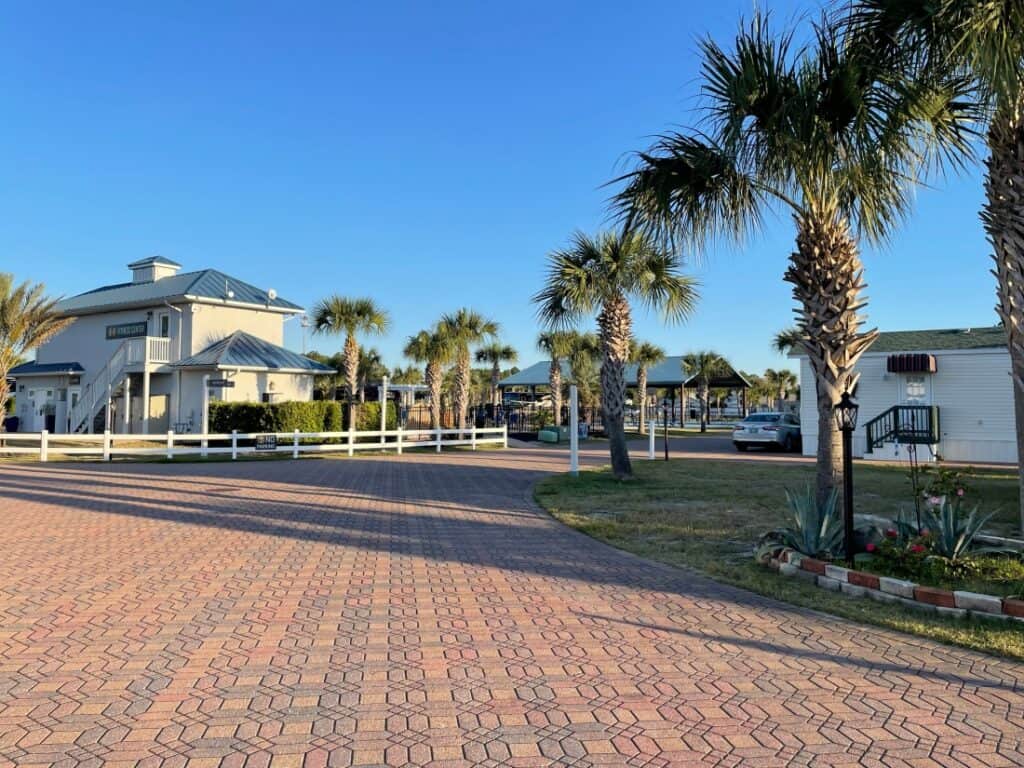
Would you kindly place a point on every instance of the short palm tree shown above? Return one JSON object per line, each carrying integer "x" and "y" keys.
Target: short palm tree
{"x": 435, "y": 350}
{"x": 558, "y": 345}
{"x": 600, "y": 274}
{"x": 645, "y": 355}
{"x": 407, "y": 375}
{"x": 702, "y": 367}
{"x": 782, "y": 382}
{"x": 465, "y": 328}
{"x": 826, "y": 134}
{"x": 371, "y": 367}
{"x": 496, "y": 353}
{"x": 787, "y": 340}
{"x": 27, "y": 319}
{"x": 340, "y": 314}
{"x": 584, "y": 366}
{"x": 985, "y": 40}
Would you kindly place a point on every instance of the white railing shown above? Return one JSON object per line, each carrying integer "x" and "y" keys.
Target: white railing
{"x": 159, "y": 349}
{"x": 45, "y": 446}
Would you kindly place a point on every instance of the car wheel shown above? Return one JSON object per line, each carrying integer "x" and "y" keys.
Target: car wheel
{"x": 740, "y": 446}
{"x": 788, "y": 446}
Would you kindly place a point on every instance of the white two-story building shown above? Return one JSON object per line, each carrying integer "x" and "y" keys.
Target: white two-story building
{"x": 140, "y": 354}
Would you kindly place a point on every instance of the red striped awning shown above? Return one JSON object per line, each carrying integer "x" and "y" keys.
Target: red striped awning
{"x": 917, "y": 362}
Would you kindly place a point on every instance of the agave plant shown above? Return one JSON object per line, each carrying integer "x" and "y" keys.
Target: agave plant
{"x": 817, "y": 530}
{"x": 953, "y": 533}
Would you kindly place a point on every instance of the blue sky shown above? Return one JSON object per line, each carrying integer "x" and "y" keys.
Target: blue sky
{"x": 427, "y": 155}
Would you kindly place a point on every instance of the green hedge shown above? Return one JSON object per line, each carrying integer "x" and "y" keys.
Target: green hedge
{"x": 315, "y": 416}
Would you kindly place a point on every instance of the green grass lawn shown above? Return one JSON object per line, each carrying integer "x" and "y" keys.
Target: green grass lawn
{"x": 707, "y": 515}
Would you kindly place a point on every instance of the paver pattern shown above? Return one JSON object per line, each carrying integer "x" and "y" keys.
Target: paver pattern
{"x": 421, "y": 611}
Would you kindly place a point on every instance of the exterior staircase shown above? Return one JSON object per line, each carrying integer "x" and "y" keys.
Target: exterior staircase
{"x": 903, "y": 425}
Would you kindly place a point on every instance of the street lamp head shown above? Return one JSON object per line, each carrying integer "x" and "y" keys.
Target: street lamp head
{"x": 846, "y": 413}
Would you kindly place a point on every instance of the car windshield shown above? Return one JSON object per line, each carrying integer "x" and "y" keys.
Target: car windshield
{"x": 763, "y": 418}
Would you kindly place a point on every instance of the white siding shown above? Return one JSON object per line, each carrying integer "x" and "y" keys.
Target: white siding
{"x": 971, "y": 387}
{"x": 206, "y": 324}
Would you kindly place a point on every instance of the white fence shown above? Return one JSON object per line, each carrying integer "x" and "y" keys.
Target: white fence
{"x": 44, "y": 445}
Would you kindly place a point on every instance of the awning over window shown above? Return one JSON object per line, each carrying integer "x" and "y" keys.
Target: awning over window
{"x": 911, "y": 363}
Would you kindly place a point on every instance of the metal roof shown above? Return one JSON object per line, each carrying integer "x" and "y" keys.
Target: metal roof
{"x": 667, "y": 373}
{"x": 243, "y": 350}
{"x": 150, "y": 260}
{"x": 38, "y": 369}
{"x": 939, "y": 340}
{"x": 204, "y": 284}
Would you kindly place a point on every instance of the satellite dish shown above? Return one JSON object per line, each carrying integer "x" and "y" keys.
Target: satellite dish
{"x": 271, "y": 294}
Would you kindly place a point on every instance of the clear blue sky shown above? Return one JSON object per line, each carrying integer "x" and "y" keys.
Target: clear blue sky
{"x": 427, "y": 155}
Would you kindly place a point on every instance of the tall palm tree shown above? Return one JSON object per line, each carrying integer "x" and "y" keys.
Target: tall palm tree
{"x": 496, "y": 353}
{"x": 434, "y": 349}
{"x": 27, "y": 319}
{"x": 826, "y": 134}
{"x": 371, "y": 367}
{"x": 645, "y": 355}
{"x": 558, "y": 345}
{"x": 340, "y": 314}
{"x": 985, "y": 40}
{"x": 704, "y": 366}
{"x": 465, "y": 328}
{"x": 600, "y": 274}
{"x": 782, "y": 382}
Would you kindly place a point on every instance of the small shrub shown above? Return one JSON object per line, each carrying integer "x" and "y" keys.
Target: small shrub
{"x": 816, "y": 531}
{"x": 315, "y": 416}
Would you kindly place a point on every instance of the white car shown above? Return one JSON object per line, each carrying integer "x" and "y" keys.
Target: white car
{"x": 770, "y": 430}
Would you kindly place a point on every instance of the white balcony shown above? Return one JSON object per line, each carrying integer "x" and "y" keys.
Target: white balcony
{"x": 148, "y": 350}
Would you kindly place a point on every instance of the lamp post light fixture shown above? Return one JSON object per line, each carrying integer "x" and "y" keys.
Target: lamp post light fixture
{"x": 846, "y": 420}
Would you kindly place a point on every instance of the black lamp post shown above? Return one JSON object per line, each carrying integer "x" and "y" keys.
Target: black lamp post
{"x": 846, "y": 420}
{"x": 664, "y": 422}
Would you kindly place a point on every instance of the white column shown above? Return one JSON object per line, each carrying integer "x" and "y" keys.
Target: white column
{"x": 383, "y": 410}
{"x": 106, "y": 415}
{"x": 145, "y": 398}
{"x": 574, "y": 431}
{"x": 126, "y": 418}
{"x": 206, "y": 412}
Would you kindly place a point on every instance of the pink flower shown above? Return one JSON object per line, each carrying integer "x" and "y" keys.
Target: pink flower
{"x": 871, "y": 547}
{"x": 959, "y": 491}
{"x": 917, "y": 548}
{"x": 935, "y": 500}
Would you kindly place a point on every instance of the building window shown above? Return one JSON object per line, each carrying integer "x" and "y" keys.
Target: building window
{"x": 265, "y": 397}
{"x": 915, "y": 389}
{"x": 165, "y": 326}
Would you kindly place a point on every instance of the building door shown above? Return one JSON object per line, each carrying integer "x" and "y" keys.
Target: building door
{"x": 163, "y": 325}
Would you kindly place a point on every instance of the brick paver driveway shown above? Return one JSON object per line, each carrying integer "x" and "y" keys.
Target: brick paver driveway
{"x": 422, "y": 611}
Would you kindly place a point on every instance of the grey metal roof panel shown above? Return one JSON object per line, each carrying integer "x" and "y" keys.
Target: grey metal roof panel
{"x": 27, "y": 369}
{"x": 244, "y": 350}
{"x": 668, "y": 373}
{"x": 206, "y": 283}
{"x": 939, "y": 340}
{"x": 163, "y": 260}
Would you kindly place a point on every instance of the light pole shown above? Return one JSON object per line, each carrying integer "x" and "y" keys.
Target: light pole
{"x": 846, "y": 420}
{"x": 664, "y": 422}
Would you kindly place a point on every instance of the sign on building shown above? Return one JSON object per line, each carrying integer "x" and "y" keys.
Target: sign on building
{"x": 127, "y": 330}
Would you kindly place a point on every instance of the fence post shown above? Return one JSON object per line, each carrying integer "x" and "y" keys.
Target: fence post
{"x": 295, "y": 445}
{"x": 203, "y": 445}
{"x": 472, "y": 436}
{"x": 351, "y": 440}
{"x": 437, "y": 434}
{"x": 106, "y": 445}
{"x": 651, "y": 426}
{"x": 574, "y": 430}
{"x": 399, "y": 439}
{"x": 170, "y": 444}
{"x": 44, "y": 448}
{"x": 504, "y": 435}
{"x": 234, "y": 444}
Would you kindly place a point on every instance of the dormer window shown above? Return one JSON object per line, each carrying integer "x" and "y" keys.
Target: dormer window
{"x": 152, "y": 269}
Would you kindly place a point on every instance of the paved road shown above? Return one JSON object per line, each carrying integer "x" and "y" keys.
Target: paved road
{"x": 422, "y": 611}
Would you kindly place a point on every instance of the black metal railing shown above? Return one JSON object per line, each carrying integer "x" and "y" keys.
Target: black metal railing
{"x": 905, "y": 424}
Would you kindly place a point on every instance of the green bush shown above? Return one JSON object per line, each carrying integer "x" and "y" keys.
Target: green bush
{"x": 315, "y": 416}
{"x": 368, "y": 417}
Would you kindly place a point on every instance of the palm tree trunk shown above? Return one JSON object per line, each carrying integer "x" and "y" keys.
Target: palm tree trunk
{"x": 495, "y": 377}
{"x": 434, "y": 379}
{"x": 641, "y": 393}
{"x": 555, "y": 382}
{"x": 703, "y": 395}
{"x": 616, "y": 331}
{"x": 350, "y": 363}
{"x": 462, "y": 375}
{"x": 5, "y": 396}
{"x": 1003, "y": 217}
{"x": 828, "y": 284}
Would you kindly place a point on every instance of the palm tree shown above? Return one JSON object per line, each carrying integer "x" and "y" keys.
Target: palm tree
{"x": 465, "y": 328}
{"x": 644, "y": 355}
{"x": 408, "y": 375}
{"x": 826, "y": 134}
{"x": 787, "y": 340}
{"x": 340, "y": 314}
{"x": 371, "y": 367}
{"x": 781, "y": 382}
{"x": 558, "y": 345}
{"x": 27, "y": 319}
{"x": 584, "y": 363}
{"x": 600, "y": 274}
{"x": 985, "y": 40}
{"x": 434, "y": 349}
{"x": 496, "y": 353}
{"x": 703, "y": 367}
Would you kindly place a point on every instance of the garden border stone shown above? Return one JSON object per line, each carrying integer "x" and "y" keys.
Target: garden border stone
{"x": 886, "y": 589}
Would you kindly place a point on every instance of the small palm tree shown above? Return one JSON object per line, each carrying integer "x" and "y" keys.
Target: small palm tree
{"x": 27, "y": 319}
{"x": 340, "y": 314}
{"x": 985, "y": 39}
{"x": 496, "y": 353}
{"x": 435, "y": 350}
{"x": 644, "y": 355}
{"x": 600, "y": 274}
{"x": 408, "y": 375}
{"x": 584, "y": 365}
{"x": 702, "y": 367}
{"x": 371, "y": 367}
{"x": 782, "y": 382}
{"x": 826, "y": 133}
{"x": 787, "y": 340}
{"x": 558, "y": 345}
{"x": 465, "y": 328}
